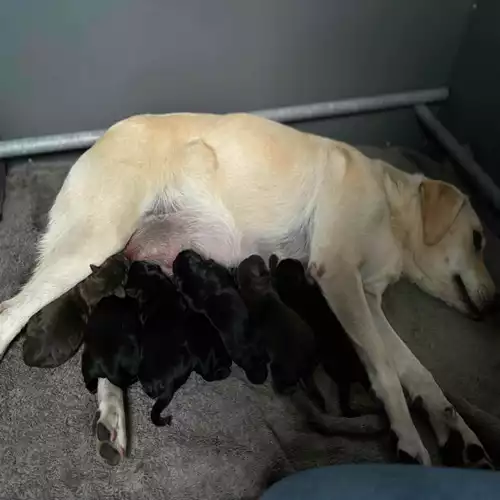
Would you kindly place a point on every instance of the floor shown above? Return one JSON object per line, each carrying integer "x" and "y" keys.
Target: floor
{"x": 228, "y": 439}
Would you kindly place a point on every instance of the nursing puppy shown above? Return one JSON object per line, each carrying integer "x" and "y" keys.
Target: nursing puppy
{"x": 335, "y": 350}
{"x": 293, "y": 353}
{"x": 111, "y": 343}
{"x": 212, "y": 361}
{"x": 210, "y": 289}
{"x": 111, "y": 353}
{"x": 166, "y": 361}
{"x": 289, "y": 340}
{"x": 55, "y": 333}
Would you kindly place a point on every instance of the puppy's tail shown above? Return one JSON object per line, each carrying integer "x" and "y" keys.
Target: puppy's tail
{"x": 160, "y": 404}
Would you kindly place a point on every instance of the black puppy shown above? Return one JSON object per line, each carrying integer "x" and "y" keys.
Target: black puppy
{"x": 111, "y": 347}
{"x": 55, "y": 333}
{"x": 289, "y": 339}
{"x": 174, "y": 340}
{"x": 211, "y": 359}
{"x": 210, "y": 289}
{"x": 335, "y": 349}
{"x": 166, "y": 362}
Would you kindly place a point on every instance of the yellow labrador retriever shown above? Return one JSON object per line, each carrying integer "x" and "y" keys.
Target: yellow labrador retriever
{"x": 238, "y": 184}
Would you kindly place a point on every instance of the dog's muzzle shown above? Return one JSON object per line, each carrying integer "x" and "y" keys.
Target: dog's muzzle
{"x": 475, "y": 311}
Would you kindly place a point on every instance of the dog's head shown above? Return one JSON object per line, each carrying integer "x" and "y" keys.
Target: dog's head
{"x": 447, "y": 251}
{"x": 107, "y": 279}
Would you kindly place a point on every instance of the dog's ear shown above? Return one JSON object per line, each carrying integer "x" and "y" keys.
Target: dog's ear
{"x": 440, "y": 204}
{"x": 94, "y": 268}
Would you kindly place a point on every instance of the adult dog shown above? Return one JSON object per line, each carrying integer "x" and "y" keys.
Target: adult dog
{"x": 239, "y": 184}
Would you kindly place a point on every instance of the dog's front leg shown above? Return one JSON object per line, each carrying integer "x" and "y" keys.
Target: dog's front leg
{"x": 343, "y": 289}
{"x": 459, "y": 444}
{"x": 111, "y": 431}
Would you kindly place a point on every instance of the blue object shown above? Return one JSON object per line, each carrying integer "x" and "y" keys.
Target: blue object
{"x": 387, "y": 482}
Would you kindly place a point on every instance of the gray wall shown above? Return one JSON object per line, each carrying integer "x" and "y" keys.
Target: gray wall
{"x": 473, "y": 112}
{"x": 69, "y": 65}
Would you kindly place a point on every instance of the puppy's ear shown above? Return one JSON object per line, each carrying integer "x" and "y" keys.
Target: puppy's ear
{"x": 120, "y": 292}
{"x": 94, "y": 268}
{"x": 440, "y": 204}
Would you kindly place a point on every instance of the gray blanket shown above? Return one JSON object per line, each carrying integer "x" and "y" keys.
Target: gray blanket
{"x": 228, "y": 440}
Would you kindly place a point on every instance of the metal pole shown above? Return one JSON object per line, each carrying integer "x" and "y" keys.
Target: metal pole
{"x": 354, "y": 106}
{"x": 482, "y": 180}
{"x": 82, "y": 140}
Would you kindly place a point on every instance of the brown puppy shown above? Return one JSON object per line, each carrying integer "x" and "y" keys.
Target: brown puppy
{"x": 55, "y": 333}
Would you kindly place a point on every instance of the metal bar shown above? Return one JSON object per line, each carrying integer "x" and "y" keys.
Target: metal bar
{"x": 82, "y": 140}
{"x": 354, "y": 106}
{"x": 3, "y": 185}
{"x": 482, "y": 180}
{"x": 48, "y": 144}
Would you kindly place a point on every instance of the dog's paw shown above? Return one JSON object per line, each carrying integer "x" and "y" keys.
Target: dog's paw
{"x": 411, "y": 450}
{"x": 456, "y": 453}
{"x": 459, "y": 445}
{"x": 111, "y": 434}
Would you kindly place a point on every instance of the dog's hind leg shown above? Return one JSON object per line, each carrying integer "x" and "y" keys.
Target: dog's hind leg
{"x": 111, "y": 429}
{"x": 85, "y": 227}
{"x": 56, "y": 273}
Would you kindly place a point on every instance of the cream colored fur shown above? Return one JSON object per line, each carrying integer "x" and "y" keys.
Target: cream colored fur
{"x": 261, "y": 186}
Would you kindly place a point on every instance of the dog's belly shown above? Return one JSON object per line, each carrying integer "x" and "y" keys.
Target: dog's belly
{"x": 161, "y": 237}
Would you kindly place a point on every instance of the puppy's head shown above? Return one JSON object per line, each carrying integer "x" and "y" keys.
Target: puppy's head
{"x": 447, "y": 253}
{"x": 107, "y": 279}
{"x": 198, "y": 277}
{"x": 253, "y": 275}
{"x": 147, "y": 280}
{"x": 187, "y": 264}
{"x": 291, "y": 272}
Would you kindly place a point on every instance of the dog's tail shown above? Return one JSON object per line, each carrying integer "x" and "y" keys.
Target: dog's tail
{"x": 331, "y": 425}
